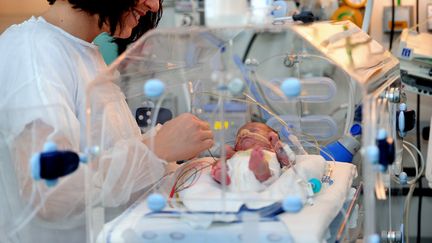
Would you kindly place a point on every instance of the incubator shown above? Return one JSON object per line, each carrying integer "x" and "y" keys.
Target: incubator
{"x": 303, "y": 81}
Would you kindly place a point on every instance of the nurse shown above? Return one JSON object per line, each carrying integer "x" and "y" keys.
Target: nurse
{"x": 46, "y": 64}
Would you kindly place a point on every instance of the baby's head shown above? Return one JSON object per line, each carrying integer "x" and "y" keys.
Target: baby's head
{"x": 256, "y": 134}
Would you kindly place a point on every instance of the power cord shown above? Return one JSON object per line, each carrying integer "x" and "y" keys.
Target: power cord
{"x": 420, "y": 185}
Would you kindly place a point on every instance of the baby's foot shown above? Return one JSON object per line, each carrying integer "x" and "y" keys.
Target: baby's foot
{"x": 216, "y": 173}
{"x": 258, "y": 165}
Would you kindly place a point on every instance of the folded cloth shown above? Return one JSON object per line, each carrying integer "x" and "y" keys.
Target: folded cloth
{"x": 206, "y": 194}
{"x": 327, "y": 205}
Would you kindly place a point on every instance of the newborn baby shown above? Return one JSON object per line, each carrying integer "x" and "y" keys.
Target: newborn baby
{"x": 256, "y": 159}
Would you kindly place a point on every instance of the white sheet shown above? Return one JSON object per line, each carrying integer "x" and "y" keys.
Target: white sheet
{"x": 309, "y": 225}
{"x": 206, "y": 193}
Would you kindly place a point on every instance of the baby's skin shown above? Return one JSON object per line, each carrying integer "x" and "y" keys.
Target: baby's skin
{"x": 257, "y": 137}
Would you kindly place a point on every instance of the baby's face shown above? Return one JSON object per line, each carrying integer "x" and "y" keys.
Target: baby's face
{"x": 254, "y": 134}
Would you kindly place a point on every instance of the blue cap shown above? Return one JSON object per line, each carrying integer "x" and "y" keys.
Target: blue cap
{"x": 316, "y": 185}
{"x": 372, "y": 153}
{"x": 402, "y": 106}
{"x": 35, "y": 166}
{"x": 382, "y": 134}
{"x": 292, "y": 204}
{"x": 156, "y": 202}
{"x": 291, "y": 87}
{"x": 50, "y": 147}
{"x": 236, "y": 86}
{"x": 356, "y": 129}
{"x": 154, "y": 88}
{"x": 281, "y": 10}
{"x": 83, "y": 158}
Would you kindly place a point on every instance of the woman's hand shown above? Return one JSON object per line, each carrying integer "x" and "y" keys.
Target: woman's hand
{"x": 182, "y": 138}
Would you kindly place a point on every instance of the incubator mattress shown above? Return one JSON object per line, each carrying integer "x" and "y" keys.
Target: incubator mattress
{"x": 311, "y": 224}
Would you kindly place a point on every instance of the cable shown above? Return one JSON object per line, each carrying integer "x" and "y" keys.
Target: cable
{"x": 392, "y": 25}
{"x": 249, "y": 46}
{"x": 421, "y": 159}
{"x": 419, "y": 155}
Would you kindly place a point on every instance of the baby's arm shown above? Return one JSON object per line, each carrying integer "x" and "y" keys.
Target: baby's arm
{"x": 216, "y": 171}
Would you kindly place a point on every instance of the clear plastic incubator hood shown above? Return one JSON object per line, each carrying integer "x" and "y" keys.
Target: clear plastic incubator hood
{"x": 302, "y": 86}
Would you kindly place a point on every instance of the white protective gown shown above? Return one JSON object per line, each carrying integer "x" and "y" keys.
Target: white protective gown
{"x": 44, "y": 72}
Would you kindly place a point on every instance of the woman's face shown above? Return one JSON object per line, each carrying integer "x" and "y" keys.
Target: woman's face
{"x": 130, "y": 19}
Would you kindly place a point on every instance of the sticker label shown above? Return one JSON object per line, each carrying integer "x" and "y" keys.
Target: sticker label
{"x": 406, "y": 52}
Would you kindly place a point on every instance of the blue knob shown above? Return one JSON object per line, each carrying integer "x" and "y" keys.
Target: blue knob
{"x": 281, "y": 9}
{"x": 156, "y": 202}
{"x": 154, "y": 88}
{"x": 373, "y": 239}
{"x": 316, "y": 185}
{"x": 372, "y": 153}
{"x": 291, "y": 87}
{"x": 356, "y": 129}
{"x": 35, "y": 167}
{"x": 49, "y": 147}
{"x": 236, "y": 86}
{"x": 403, "y": 177}
{"x": 292, "y": 204}
{"x": 382, "y": 134}
{"x": 401, "y": 120}
{"x": 83, "y": 158}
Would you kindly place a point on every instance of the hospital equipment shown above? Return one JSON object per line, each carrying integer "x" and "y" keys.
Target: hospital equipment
{"x": 416, "y": 61}
{"x": 216, "y": 73}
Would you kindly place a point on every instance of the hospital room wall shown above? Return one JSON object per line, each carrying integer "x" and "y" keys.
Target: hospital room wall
{"x": 13, "y": 11}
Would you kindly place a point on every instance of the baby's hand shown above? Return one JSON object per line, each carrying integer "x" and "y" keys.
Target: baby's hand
{"x": 258, "y": 165}
{"x": 216, "y": 173}
{"x": 281, "y": 154}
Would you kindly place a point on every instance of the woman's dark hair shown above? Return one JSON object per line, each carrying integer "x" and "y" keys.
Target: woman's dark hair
{"x": 146, "y": 23}
{"x": 111, "y": 11}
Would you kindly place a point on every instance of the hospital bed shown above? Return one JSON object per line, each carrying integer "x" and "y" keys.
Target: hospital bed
{"x": 229, "y": 76}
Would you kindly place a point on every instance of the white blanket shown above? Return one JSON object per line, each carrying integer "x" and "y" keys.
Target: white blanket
{"x": 309, "y": 225}
{"x": 206, "y": 194}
